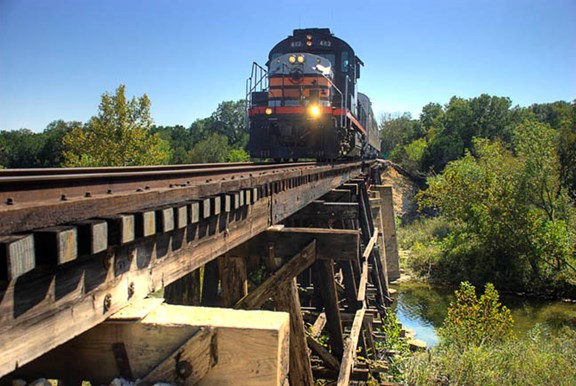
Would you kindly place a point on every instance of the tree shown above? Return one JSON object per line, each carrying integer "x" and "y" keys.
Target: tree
{"x": 398, "y": 130}
{"x": 212, "y": 149}
{"x": 118, "y": 136}
{"x": 22, "y": 148}
{"x": 52, "y": 153}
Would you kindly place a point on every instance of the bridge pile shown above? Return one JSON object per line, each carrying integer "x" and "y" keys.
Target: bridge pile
{"x": 259, "y": 265}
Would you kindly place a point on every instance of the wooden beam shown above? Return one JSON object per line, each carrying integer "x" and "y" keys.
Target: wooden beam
{"x": 92, "y": 236}
{"x": 233, "y": 279}
{"x": 337, "y": 244}
{"x": 250, "y": 346}
{"x": 389, "y": 231}
{"x": 350, "y": 348}
{"x": 318, "y": 325}
{"x": 286, "y": 299}
{"x": 16, "y": 256}
{"x": 324, "y": 280}
{"x": 56, "y": 245}
{"x": 329, "y": 360}
{"x": 284, "y": 274}
{"x": 184, "y": 291}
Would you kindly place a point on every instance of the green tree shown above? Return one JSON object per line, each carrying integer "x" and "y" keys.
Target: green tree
{"x": 52, "y": 153}
{"x": 212, "y": 149}
{"x": 22, "y": 148}
{"x": 118, "y": 136}
{"x": 398, "y": 130}
{"x": 474, "y": 321}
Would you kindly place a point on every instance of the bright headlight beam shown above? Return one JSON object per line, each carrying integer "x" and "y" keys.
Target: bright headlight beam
{"x": 314, "y": 111}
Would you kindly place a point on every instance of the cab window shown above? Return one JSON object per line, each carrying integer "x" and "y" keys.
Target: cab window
{"x": 345, "y": 61}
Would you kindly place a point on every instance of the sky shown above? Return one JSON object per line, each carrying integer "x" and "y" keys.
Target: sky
{"x": 57, "y": 57}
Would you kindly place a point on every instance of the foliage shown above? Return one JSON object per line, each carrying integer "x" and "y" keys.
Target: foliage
{"x": 212, "y": 149}
{"x": 540, "y": 358}
{"x": 513, "y": 223}
{"x": 473, "y": 321}
{"x": 393, "y": 349}
{"x": 397, "y": 130}
{"x": 118, "y": 136}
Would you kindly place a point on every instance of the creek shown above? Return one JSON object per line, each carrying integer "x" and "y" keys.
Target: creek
{"x": 422, "y": 307}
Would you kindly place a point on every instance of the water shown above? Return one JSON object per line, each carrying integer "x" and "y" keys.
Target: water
{"x": 422, "y": 307}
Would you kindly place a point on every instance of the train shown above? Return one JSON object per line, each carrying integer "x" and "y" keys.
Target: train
{"x": 304, "y": 103}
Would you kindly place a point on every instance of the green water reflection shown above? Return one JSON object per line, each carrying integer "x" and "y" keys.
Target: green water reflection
{"x": 422, "y": 307}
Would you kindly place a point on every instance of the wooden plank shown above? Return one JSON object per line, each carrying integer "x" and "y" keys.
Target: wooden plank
{"x": 56, "y": 245}
{"x": 145, "y": 223}
{"x": 181, "y": 216}
{"x": 318, "y": 325}
{"x": 363, "y": 283}
{"x": 194, "y": 212}
{"x": 323, "y": 211}
{"x": 284, "y": 274}
{"x": 234, "y": 199}
{"x": 251, "y": 346}
{"x": 324, "y": 280}
{"x": 215, "y": 205}
{"x": 337, "y": 244}
{"x": 92, "y": 236}
{"x": 17, "y": 256}
{"x": 338, "y": 195}
{"x": 121, "y": 229}
{"x": 226, "y": 203}
{"x": 350, "y": 348}
{"x": 190, "y": 362}
{"x": 136, "y": 311}
{"x": 370, "y": 246}
{"x": 205, "y": 207}
{"x": 287, "y": 299}
{"x": 165, "y": 219}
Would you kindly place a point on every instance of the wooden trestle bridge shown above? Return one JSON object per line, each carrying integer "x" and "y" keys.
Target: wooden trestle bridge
{"x": 258, "y": 264}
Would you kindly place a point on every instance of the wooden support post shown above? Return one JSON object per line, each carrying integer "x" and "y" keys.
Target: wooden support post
{"x": 210, "y": 284}
{"x": 389, "y": 231}
{"x": 286, "y": 299}
{"x": 184, "y": 291}
{"x": 329, "y": 359}
{"x": 325, "y": 282}
{"x": 350, "y": 349}
{"x": 283, "y": 275}
{"x": 178, "y": 344}
{"x": 233, "y": 279}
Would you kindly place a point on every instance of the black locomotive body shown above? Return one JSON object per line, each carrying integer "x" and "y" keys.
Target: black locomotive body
{"x": 304, "y": 104}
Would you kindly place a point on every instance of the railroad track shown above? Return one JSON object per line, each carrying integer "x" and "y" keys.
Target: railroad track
{"x": 36, "y": 198}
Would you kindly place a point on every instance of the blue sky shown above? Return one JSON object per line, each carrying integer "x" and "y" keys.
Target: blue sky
{"x": 57, "y": 57}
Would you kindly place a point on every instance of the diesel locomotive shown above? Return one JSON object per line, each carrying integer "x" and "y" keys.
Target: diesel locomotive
{"x": 304, "y": 103}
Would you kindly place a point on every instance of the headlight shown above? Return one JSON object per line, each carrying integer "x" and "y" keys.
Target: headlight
{"x": 292, "y": 59}
{"x": 268, "y": 111}
{"x": 314, "y": 110}
{"x": 301, "y": 59}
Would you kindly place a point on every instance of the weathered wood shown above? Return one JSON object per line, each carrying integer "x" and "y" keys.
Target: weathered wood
{"x": 136, "y": 311}
{"x": 324, "y": 280}
{"x": 284, "y": 274}
{"x": 165, "y": 219}
{"x": 338, "y": 195}
{"x": 92, "y": 236}
{"x": 350, "y": 348}
{"x": 42, "y": 313}
{"x": 328, "y": 359}
{"x": 56, "y": 245}
{"x": 205, "y": 207}
{"x": 250, "y": 346}
{"x": 194, "y": 212}
{"x": 363, "y": 283}
{"x": 234, "y": 199}
{"x": 286, "y": 299}
{"x": 145, "y": 223}
{"x": 323, "y": 211}
{"x": 190, "y": 362}
{"x": 181, "y": 216}
{"x": 318, "y": 325}
{"x": 17, "y": 256}
{"x": 210, "y": 284}
{"x": 233, "y": 279}
{"x": 121, "y": 229}
{"x": 337, "y": 244}
{"x": 389, "y": 231}
{"x": 184, "y": 291}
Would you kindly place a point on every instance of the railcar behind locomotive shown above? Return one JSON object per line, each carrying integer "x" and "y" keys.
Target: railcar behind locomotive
{"x": 305, "y": 103}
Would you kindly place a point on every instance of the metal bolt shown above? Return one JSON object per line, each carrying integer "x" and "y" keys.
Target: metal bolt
{"x": 109, "y": 191}
{"x": 147, "y": 187}
{"x": 87, "y": 194}
{"x": 131, "y": 290}
{"x": 9, "y": 201}
{"x": 139, "y": 190}
{"x": 107, "y": 302}
{"x": 171, "y": 185}
{"x": 63, "y": 197}
{"x": 183, "y": 369}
